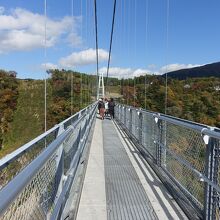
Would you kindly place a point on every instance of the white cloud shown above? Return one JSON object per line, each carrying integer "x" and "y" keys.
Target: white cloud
{"x": 139, "y": 72}
{"x": 82, "y": 58}
{"x": 48, "y": 66}
{"x": 74, "y": 40}
{"x": 130, "y": 73}
{"x": 176, "y": 66}
{"x": 24, "y": 30}
{"x": 124, "y": 72}
{"x": 117, "y": 72}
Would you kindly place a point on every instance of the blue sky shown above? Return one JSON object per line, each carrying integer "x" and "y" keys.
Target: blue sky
{"x": 140, "y": 37}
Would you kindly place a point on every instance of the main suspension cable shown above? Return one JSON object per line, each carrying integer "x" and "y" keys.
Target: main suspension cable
{"x": 96, "y": 42}
{"x": 110, "y": 47}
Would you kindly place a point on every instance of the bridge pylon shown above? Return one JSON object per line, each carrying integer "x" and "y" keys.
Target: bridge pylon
{"x": 101, "y": 87}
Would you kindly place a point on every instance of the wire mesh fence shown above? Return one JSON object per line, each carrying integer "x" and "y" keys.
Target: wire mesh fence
{"x": 188, "y": 145}
{"x": 187, "y": 179}
{"x": 149, "y": 132}
{"x": 70, "y": 148}
{"x": 187, "y": 152}
{"x": 34, "y": 189}
{"x": 37, "y": 197}
{"x": 20, "y": 161}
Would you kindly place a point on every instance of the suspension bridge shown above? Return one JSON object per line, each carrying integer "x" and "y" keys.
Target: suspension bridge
{"x": 142, "y": 165}
{"x": 139, "y": 165}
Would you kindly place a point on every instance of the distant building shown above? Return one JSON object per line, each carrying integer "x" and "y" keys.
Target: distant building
{"x": 217, "y": 88}
{"x": 187, "y": 86}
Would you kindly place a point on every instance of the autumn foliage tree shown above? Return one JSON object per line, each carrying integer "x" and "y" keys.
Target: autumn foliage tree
{"x": 8, "y": 100}
{"x": 60, "y": 82}
{"x": 195, "y": 99}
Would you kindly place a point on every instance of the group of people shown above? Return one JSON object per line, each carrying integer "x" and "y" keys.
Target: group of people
{"x": 106, "y": 107}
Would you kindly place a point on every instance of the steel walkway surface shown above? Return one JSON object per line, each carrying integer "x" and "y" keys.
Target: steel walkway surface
{"x": 116, "y": 188}
{"x": 125, "y": 195}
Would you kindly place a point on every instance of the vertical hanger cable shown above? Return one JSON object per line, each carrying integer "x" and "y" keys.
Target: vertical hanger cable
{"x": 135, "y": 45}
{"x": 167, "y": 47}
{"x": 45, "y": 65}
{"x": 71, "y": 95}
{"x": 81, "y": 76}
{"x": 146, "y": 48}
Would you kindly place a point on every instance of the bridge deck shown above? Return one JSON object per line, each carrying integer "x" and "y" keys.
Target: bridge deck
{"x": 119, "y": 184}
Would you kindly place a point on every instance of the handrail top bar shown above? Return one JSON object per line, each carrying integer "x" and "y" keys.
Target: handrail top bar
{"x": 72, "y": 116}
{"x": 212, "y": 133}
{"x": 9, "y": 157}
{"x": 10, "y": 192}
{"x": 203, "y": 129}
{"x": 184, "y": 123}
{"x": 169, "y": 116}
{"x": 26, "y": 146}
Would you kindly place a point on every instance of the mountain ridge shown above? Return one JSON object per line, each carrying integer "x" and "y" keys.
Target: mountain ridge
{"x": 207, "y": 70}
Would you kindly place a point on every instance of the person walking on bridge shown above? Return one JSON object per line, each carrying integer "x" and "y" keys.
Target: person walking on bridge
{"x": 111, "y": 107}
{"x": 106, "y": 107}
{"x": 101, "y": 107}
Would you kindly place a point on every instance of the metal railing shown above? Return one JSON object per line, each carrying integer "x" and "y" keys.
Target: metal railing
{"x": 36, "y": 178}
{"x": 186, "y": 152}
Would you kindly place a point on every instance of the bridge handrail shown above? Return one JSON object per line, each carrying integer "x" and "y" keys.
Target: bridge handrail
{"x": 5, "y": 161}
{"x": 202, "y": 128}
{"x": 179, "y": 121}
{"x": 70, "y": 176}
{"x": 9, "y": 193}
{"x": 15, "y": 154}
{"x": 69, "y": 179}
{"x": 57, "y": 162}
{"x": 176, "y": 146}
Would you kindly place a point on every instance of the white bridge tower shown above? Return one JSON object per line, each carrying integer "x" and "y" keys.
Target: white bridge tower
{"x": 101, "y": 87}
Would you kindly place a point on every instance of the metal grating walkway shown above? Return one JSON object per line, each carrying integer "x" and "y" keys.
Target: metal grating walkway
{"x": 125, "y": 195}
{"x": 118, "y": 185}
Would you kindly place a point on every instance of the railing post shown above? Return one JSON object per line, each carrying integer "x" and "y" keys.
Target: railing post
{"x": 80, "y": 113}
{"x": 118, "y": 112}
{"x": 130, "y": 120}
{"x": 136, "y": 121}
{"x": 125, "y": 115}
{"x": 211, "y": 171}
{"x": 59, "y": 165}
{"x": 159, "y": 140}
{"x": 140, "y": 123}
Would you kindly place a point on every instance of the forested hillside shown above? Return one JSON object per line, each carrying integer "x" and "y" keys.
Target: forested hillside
{"x": 195, "y": 99}
{"x": 22, "y": 101}
{"x": 8, "y": 101}
{"x": 22, "y": 104}
{"x": 28, "y": 118}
